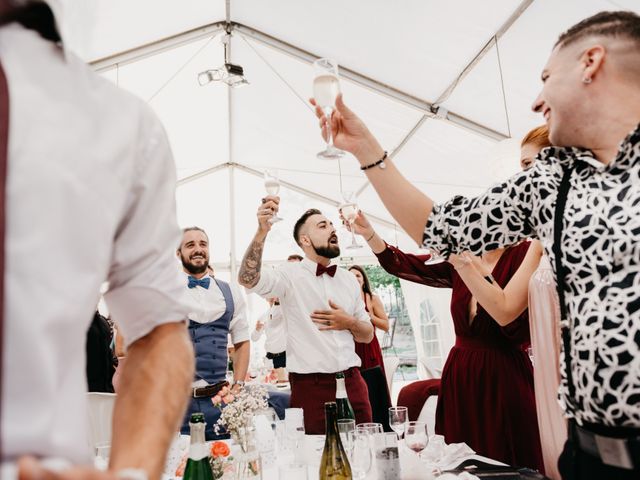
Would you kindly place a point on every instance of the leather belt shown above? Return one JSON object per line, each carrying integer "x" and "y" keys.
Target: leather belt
{"x": 620, "y": 452}
{"x": 208, "y": 391}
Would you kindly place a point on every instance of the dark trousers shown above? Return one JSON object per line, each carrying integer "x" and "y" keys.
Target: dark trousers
{"x": 310, "y": 391}
{"x": 575, "y": 464}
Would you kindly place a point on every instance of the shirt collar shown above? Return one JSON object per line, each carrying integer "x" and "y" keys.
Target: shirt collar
{"x": 309, "y": 265}
{"x": 566, "y": 155}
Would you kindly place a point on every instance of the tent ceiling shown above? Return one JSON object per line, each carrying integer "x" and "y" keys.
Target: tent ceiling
{"x": 397, "y": 58}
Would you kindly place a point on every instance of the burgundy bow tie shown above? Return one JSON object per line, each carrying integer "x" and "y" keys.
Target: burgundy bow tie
{"x": 330, "y": 270}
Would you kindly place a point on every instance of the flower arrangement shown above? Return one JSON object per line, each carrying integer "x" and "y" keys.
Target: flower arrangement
{"x": 238, "y": 410}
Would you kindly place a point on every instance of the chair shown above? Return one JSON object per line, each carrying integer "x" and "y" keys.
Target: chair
{"x": 390, "y": 367}
{"x": 100, "y": 417}
{"x": 421, "y": 399}
{"x": 387, "y": 337}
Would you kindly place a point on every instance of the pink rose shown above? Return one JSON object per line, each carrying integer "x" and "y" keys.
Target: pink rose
{"x": 228, "y": 399}
{"x": 216, "y": 400}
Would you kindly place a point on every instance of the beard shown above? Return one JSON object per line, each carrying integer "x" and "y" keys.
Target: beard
{"x": 327, "y": 251}
{"x": 192, "y": 268}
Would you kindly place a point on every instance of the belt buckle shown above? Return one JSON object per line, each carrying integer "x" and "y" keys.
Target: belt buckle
{"x": 614, "y": 452}
{"x": 195, "y": 395}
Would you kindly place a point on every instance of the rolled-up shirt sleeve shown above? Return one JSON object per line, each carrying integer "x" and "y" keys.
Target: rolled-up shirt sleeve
{"x": 273, "y": 283}
{"x": 145, "y": 287}
{"x": 502, "y": 216}
{"x": 239, "y": 326}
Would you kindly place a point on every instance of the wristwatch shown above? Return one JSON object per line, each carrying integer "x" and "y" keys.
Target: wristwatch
{"x": 238, "y": 382}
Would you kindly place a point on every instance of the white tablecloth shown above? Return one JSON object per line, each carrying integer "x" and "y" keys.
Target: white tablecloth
{"x": 412, "y": 468}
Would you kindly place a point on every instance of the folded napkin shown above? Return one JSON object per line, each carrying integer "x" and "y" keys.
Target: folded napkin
{"x": 445, "y": 456}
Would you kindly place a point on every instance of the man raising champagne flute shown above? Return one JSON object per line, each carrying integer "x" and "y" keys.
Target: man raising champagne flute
{"x": 324, "y": 312}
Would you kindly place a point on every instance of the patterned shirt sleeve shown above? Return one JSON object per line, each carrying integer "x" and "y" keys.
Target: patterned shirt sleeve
{"x": 500, "y": 217}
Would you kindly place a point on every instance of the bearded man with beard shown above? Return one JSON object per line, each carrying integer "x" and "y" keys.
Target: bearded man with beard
{"x": 222, "y": 312}
{"x": 323, "y": 310}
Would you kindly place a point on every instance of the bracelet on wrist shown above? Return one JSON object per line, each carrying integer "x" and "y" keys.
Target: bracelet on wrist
{"x": 379, "y": 163}
{"x": 369, "y": 239}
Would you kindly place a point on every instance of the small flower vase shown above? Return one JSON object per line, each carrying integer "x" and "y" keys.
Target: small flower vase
{"x": 247, "y": 462}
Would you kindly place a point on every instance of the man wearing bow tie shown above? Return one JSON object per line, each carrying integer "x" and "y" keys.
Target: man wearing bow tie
{"x": 324, "y": 312}
{"x": 222, "y": 312}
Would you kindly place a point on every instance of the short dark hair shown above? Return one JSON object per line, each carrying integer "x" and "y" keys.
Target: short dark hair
{"x": 296, "y": 257}
{"x": 301, "y": 221}
{"x": 192, "y": 229}
{"x": 608, "y": 24}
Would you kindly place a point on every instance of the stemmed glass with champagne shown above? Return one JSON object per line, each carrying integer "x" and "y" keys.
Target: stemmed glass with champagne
{"x": 349, "y": 211}
{"x": 272, "y": 186}
{"x": 326, "y": 86}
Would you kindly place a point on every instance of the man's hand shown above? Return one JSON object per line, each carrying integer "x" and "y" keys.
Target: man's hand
{"x": 267, "y": 209}
{"x": 349, "y": 132}
{"x": 31, "y": 469}
{"x": 333, "y": 319}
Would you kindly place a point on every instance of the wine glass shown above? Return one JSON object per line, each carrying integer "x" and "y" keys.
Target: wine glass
{"x": 415, "y": 436}
{"x": 361, "y": 457}
{"x": 398, "y": 417}
{"x": 272, "y": 186}
{"x": 294, "y": 429}
{"x": 349, "y": 210}
{"x": 326, "y": 87}
{"x": 345, "y": 426}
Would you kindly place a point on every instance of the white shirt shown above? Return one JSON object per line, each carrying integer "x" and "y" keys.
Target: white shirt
{"x": 211, "y": 307}
{"x": 91, "y": 197}
{"x": 301, "y": 292}
{"x": 275, "y": 330}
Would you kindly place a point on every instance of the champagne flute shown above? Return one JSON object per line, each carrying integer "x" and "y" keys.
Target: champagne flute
{"x": 416, "y": 437}
{"x": 272, "y": 186}
{"x": 326, "y": 87}
{"x": 345, "y": 426}
{"x": 398, "y": 417}
{"x": 349, "y": 210}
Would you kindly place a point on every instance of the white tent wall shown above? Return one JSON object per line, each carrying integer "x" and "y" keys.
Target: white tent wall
{"x": 480, "y": 61}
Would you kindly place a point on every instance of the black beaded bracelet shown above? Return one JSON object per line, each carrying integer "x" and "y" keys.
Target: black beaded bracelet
{"x": 375, "y": 164}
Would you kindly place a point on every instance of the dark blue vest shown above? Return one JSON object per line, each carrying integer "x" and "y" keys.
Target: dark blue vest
{"x": 210, "y": 345}
{"x": 210, "y": 341}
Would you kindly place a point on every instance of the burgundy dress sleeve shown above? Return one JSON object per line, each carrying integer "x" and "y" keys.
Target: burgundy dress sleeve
{"x": 412, "y": 268}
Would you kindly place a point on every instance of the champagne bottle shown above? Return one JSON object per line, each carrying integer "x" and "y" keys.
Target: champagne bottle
{"x": 198, "y": 466}
{"x": 345, "y": 410}
{"x": 334, "y": 464}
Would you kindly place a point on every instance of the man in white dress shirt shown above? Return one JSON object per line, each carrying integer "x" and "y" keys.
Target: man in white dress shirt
{"x": 324, "y": 312}
{"x": 90, "y": 193}
{"x": 221, "y": 312}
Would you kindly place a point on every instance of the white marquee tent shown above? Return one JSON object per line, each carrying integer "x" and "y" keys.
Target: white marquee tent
{"x": 442, "y": 84}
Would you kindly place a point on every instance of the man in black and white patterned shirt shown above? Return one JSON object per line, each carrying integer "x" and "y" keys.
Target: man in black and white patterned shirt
{"x": 591, "y": 103}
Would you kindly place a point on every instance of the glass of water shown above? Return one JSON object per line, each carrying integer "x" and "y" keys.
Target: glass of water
{"x": 398, "y": 417}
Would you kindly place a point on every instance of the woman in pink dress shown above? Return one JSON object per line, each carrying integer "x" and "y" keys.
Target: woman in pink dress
{"x": 544, "y": 323}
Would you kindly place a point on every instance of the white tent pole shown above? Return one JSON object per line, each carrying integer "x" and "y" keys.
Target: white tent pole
{"x": 396, "y": 150}
{"x": 232, "y": 220}
{"x": 517, "y": 13}
{"x": 201, "y": 174}
{"x": 153, "y": 48}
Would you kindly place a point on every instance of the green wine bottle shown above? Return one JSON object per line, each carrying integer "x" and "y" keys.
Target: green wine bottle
{"x": 334, "y": 464}
{"x": 198, "y": 466}
{"x": 345, "y": 410}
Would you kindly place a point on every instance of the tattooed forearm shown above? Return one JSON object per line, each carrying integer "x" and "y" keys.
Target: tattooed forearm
{"x": 249, "y": 273}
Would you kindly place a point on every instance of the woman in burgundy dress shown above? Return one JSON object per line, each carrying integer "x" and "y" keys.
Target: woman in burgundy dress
{"x": 370, "y": 353}
{"x": 486, "y": 397}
